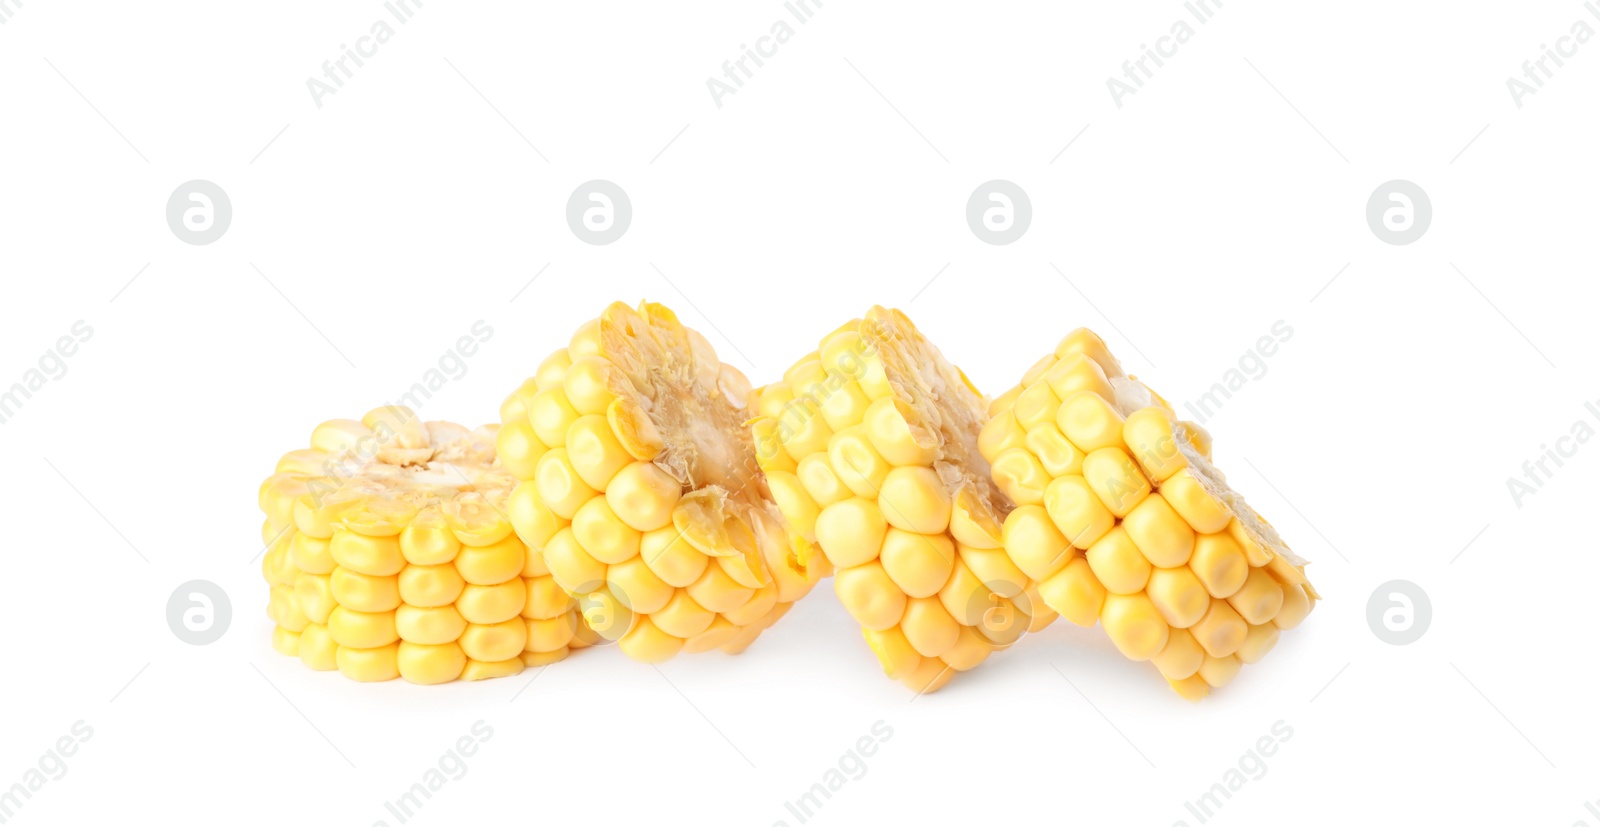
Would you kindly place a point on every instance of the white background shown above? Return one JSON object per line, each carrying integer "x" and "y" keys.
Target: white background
{"x": 383, "y": 224}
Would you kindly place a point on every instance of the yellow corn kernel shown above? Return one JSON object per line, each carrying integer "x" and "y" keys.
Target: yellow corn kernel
{"x": 1021, "y": 476}
{"x": 363, "y": 592}
{"x": 1055, "y": 453}
{"x": 888, "y": 424}
{"x": 895, "y": 652}
{"x": 971, "y": 649}
{"x": 1221, "y": 631}
{"x": 851, "y": 531}
{"x": 719, "y": 592}
{"x": 519, "y": 447}
{"x": 1219, "y": 672}
{"x": 1164, "y": 538}
{"x": 858, "y": 465}
{"x": 1077, "y": 373}
{"x": 919, "y": 564}
{"x": 362, "y": 630}
{"x": 995, "y": 568}
{"x": 313, "y": 596}
{"x": 559, "y": 485}
{"x": 1193, "y": 688}
{"x": 928, "y": 627}
{"x": 720, "y": 633}
{"x": 671, "y": 557}
{"x": 428, "y": 540}
{"x": 493, "y": 564}
{"x": 429, "y": 586}
{"x": 1090, "y": 422}
{"x": 477, "y": 670}
{"x": 440, "y": 624}
{"x": 310, "y": 554}
{"x": 1084, "y": 341}
{"x": 870, "y": 595}
{"x": 648, "y": 644}
{"x": 1000, "y": 434}
{"x": 1254, "y": 552}
{"x": 1034, "y": 543}
{"x": 845, "y": 406}
{"x": 821, "y": 483}
{"x": 792, "y": 499}
{"x": 1115, "y": 479}
{"x": 550, "y": 635}
{"x": 1219, "y": 564}
{"x": 286, "y": 642}
{"x": 1036, "y": 405}
{"x": 318, "y": 649}
{"x": 379, "y": 664}
{"x": 587, "y": 385}
{"x": 929, "y": 676}
{"x": 379, "y": 556}
{"x": 1257, "y": 643}
{"x": 603, "y": 534}
{"x": 1075, "y": 593}
{"x": 1181, "y": 657}
{"x": 967, "y": 598}
{"x": 1178, "y": 594}
{"x": 637, "y": 587}
{"x": 1076, "y": 511}
{"x": 1296, "y": 606}
{"x": 546, "y": 599}
{"x": 682, "y": 617}
{"x": 1134, "y": 625}
{"x": 490, "y": 642}
{"x": 571, "y": 566}
{"x": 493, "y": 604}
{"x": 594, "y": 451}
{"x": 1148, "y": 436}
{"x": 551, "y": 414}
{"x": 643, "y": 496}
{"x": 1118, "y": 563}
{"x": 913, "y": 498}
{"x": 1003, "y": 622}
{"x": 1259, "y": 599}
{"x": 1194, "y": 503}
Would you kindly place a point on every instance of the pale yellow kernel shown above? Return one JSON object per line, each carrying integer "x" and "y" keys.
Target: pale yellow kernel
{"x": 895, "y": 652}
{"x": 492, "y": 564}
{"x": 378, "y": 556}
{"x": 363, "y": 592}
{"x": 551, "y": 634}
{"x": 1296, "y": 606}
{"x": 1003, "y": 622}
{"x": 1021, "y": 476}
{"x": 802, "y": 430}
{"x": 310, "y": 554}
{"x": 531, "y": 659}
{"x": 282, "y": 607}
{"x": 603, "y": 534}
{"x": 1259, "y": 599}
{"x": 477, "y": 670}
{"x": 430, "y": 585}
{"x": 805, "y": 379}
{"x": 648, "y": 644}
{"x": 277, "y": 565}
{"x": 929, "y": 627}
{"x": 851, "y": 531}
{"x": 286, "y": 642}
{"x": 874, "y": 380}
{"x": 594, "y": 451}
{"x": 551, "y": 414}
{"x": 913, "y": 498}
{"x": 771, "y": 400}
{"x": 1219, "y": 672}
{"x": 720, "y": 633}
{"x": 1159, "y": 532}
{"x": 313, "y": 596}
{"x": 1037, "y": 369}
{"x": 546, "y": 599}
{"x": 821, "y": 483}
{"x": 844, "y": 354}
{"x": 534, "y": 522}
{"x": 1254, "y": 553}
{"x": 587, "y": 385}
{"x": 682, "y": 617}
{"x": 605, "y": 615}
{"x": 995, "y": 568}
{"x": 1055, "y": 452}
{"x": 1000, "y": 434}
{"x": 1115, "y": 479}
{"x": 1077, "y": 513}
{"x": 586, "y": 340}
{"x": 1002, "y": 403}
{"x": 887, "y": 424}
{"x": 792, "y": 499}
{"x": 671, "y": 557}
{"x": 756, "y": 608}
{"x": 857, "y": 464}
{"x": 929, "y": 676}
{"x": 643, "y": 496}
{"x": 718, "y": 591}
{"x": 767, "y": 434}
{"x": 439, "y": 624}
{"x": 1134, "y": 625}
{"x": 1034, "y": 543}
{"x": 1078, "y": 374}
{"x": 637, "y": 587}
{"x": 571, "y": 566}
{"x": 1198, "y": 437}
{"x": 634, "y": 429}
{"x": 370, "y": 665}
{"x": 967, "y": 598}
{"x": 1117, "y": 563}
{"x": 971, "y": 649}
{"x": 1181, "y": 657}
{"x": 363, "y": 630}
{"x": 1074, "y": 593}
{"x": 515, "y": 406}
{"x": 1221, "y": 631}
{"x": 871, "y": 597}
{"x": 1036, "y": 405}
{"x": 560, "y": 487}
{"x": 1084, "y": 341}
{"x": 318, "y": 649}
{"x": 492, "y": 604}
{"x": 844, "y": 405}
{"x": 553, "y": 370}
{"x": 919, "y": 564}
{"x": 1257, "y": 643}
{"x": 1090, "y": 422}
{"x": 1179, "y": 595}
{"x": 519, "y": 448}
{"x": 495, "y": 641}
{"x": 973, "y": 520}
{"x": 428, "y": 540}
{"x": 1198, "y": 508}
{"x": 1149, "y": 438}
{"x": 1042, "y": 615}
{"x": 1193, "y": 688}
{"x": 1219, "y": 564}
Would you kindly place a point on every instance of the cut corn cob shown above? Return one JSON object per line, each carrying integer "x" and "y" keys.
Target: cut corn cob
{"x": 870, "y": 445}
{"x": 1122, "y": 518}
{"x": 640, "y": 487}
{"x": 389, "y": 555}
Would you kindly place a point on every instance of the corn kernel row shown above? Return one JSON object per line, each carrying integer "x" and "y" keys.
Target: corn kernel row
{"x": 389, "y": 555}
{"x": 1122, "y": 519}
{"x": 639, "y": 486}
{"x": 869, "y": 445}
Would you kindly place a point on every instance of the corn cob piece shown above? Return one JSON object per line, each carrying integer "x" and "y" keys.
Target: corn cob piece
{"x": 640, "y": 487}
{"x": 1121, "y": 518}
{"x": 390, "y": 555}
{"x": 870, "y": 445}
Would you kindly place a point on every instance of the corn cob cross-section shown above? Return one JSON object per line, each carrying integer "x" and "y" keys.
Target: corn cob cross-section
{"x": 870, "y": 445}
{"x": 1122, "y": 518}
{"x": 390, "y": 555}
{"x": 640, "y": 486}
